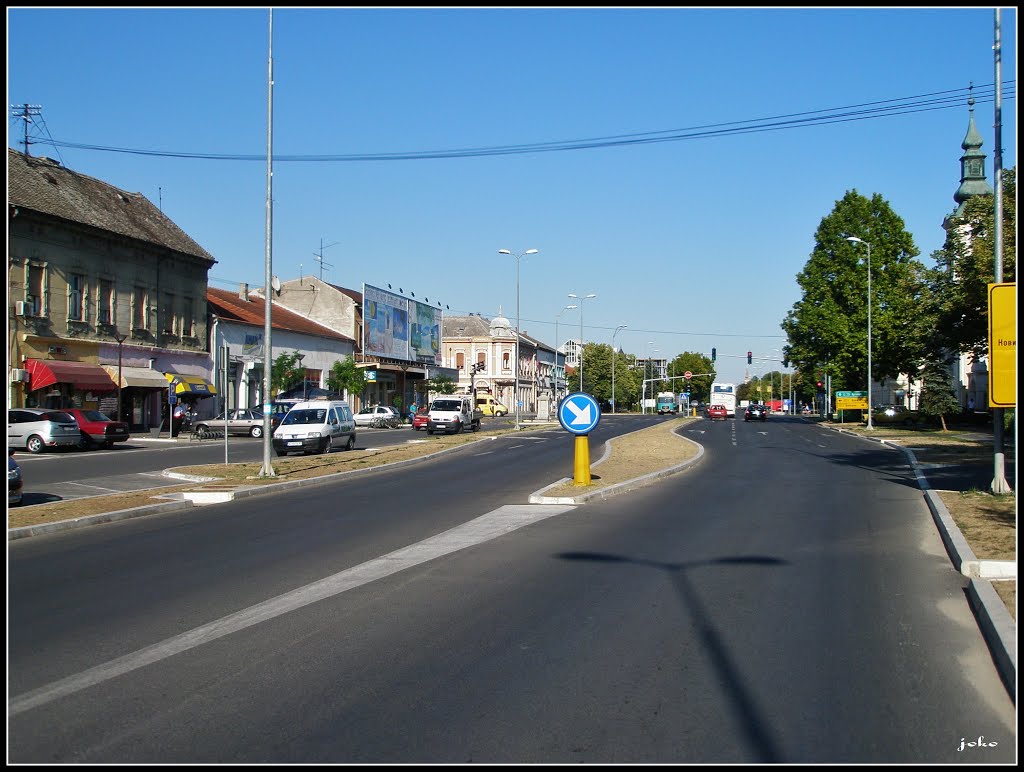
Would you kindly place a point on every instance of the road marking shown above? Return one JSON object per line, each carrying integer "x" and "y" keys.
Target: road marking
{"x": 484, "y": 528}
{"x": 97, "y": 487}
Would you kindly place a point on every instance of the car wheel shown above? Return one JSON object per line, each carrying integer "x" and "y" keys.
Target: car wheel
{"x": 430, "y": 432}
{"x": 256, "y": 431}
{"x": 200, "y": 431}
{"x": 351, "y": 442}
{"x": 327, "y": 446}
{"x": 35, "y": 444}
{"x": 281, "y": 452}
{"x": 108, "y": 444}
{"x": 84, "y": 442}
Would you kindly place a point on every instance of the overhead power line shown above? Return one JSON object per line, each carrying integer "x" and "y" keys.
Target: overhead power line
{"x": 936, "y": 100}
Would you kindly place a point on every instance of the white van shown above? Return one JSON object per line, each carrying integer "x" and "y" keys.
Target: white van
{"x": 316, "y": 426}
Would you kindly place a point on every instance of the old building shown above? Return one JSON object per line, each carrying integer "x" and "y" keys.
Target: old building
{"x": 101, "y": 286}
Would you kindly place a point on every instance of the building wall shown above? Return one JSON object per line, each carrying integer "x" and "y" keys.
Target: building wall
{"x": 45, "y": 256}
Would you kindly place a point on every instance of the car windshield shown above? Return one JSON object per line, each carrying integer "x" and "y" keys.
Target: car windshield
{"x": 447, "y": 404}
{"x": 304, "y": 416}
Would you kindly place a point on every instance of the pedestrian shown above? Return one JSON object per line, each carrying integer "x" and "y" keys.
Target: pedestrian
{"x": 970, "y": 403}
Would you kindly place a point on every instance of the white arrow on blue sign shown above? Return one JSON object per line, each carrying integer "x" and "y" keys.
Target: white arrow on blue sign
{"x": 579, "y": 413}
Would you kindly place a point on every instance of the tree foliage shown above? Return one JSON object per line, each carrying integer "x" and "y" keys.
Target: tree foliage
{"x": 938, "y": 399}
{"x": 286, "y": 372}
{"x": 827, "y": 328}
{"x": 345, "y": 377}
{"x": 965, "y": 266}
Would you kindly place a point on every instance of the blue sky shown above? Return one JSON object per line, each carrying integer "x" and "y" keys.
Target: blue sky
{"x": 691, "y": 243}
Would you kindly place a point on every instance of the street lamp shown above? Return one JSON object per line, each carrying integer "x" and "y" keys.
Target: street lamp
{"x": 556, "y": 348}
{"x": 515, "y": 369}
{"x": 120, "y": 340}
{"x": 620, "y": 327}
{"x": 871, "y": 424}
{"x": 585, "y": 297}
{"x": 300, "y": 357}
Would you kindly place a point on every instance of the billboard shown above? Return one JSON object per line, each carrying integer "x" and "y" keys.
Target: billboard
{"x": 400, "y": 328}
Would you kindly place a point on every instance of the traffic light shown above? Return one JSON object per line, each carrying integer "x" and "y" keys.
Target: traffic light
{"x": 821, "y": 386}
{"x": 714, "y": 353}
{"x": 749, "y": 358}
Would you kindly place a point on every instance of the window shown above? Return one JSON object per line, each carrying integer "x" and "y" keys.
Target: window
{"x": 76, "y": 296}
{"x": 34, "y": 275}
{"x": 460, "y": 360}
{"x": 506, "y": 361}
{"x": 481, "y": 359}
{"x": 139, "y": 309}
{"x": 167, "y": 314}
{"x": 187, "y": 321}
{"x": 105, "y": 312}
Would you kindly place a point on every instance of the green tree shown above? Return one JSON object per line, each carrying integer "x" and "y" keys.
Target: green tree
{"x": 285, "y": 372}
{"x": 965, "y": 266}
{"x": 440, "y": 384}
{"x": 699, "y": 385}
{"x": 938, "y": 399}
{"x": 827, "y": 328}
{"x": 344, "y": 377}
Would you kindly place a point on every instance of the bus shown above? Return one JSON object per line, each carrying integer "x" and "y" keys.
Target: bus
{"x": 724, "y": 394}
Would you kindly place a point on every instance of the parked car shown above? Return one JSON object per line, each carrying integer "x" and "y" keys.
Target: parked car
{"x": 419, "y": 421}
{"x": 717, "y": 411}
{"x": 894, "y": 415}
{"x": 755, "y": 412}
{"x": 14, "y": 481}
{"x": 98, "y": 428}
{"x": 36, "y": 429}
{"x": 368, "y": 415}
{"x": 243, "y": 421}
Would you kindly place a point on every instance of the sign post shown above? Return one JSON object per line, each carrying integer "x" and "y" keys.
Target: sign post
{"x": 578, "y": 414}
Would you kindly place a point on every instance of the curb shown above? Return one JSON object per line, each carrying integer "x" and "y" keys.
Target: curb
{"x": 613, "y": 490}
{"x": 994, "y": 620}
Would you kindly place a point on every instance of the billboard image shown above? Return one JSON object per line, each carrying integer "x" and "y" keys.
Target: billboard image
{"x": 400, "y": 328}
{"x": 425, "y": 333}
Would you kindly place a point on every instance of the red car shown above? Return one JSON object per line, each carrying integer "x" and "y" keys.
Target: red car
{"x": 717, "y": 411}
{"x": 419, "y": 421}
{"x": 97, "y": 428}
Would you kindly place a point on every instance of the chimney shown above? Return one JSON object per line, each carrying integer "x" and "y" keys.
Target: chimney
{"x": 243, "y": 291}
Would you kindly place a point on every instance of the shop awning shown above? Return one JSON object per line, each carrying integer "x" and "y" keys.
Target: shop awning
{"x": 83, "y": 376}
{"x": 137, "y": 377}
{"x": 191, "y": 384}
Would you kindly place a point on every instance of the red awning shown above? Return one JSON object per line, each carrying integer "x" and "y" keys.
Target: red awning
{"x": 83, "y": 376}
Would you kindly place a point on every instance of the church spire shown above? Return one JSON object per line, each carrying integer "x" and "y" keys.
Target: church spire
{"x": 972, "y": 163}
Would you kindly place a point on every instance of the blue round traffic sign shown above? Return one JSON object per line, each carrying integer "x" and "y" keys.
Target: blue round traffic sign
{"x": 579, "y": 413}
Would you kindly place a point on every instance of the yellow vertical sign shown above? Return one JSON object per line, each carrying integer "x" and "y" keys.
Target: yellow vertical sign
{"x": 1002, "y": 345}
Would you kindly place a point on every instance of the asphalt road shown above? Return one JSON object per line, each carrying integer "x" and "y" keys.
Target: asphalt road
{"x": 787, "y": 600}
{"x": 137, "y": 464}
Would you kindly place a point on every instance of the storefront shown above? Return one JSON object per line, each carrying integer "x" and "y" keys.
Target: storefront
{"x": 142, "y": 391}
{"x": 54, "y": 383}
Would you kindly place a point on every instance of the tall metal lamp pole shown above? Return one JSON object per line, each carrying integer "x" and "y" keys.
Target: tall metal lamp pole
{"x": 620, "y": 327}
{"x": 871, "y": 424}
{"x": 120, "y": 341}
{"x": 515, "y": 368}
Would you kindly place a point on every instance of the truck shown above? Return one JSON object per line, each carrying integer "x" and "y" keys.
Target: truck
{"x": 666, "y": 402}
{"x": 453, "y": 413}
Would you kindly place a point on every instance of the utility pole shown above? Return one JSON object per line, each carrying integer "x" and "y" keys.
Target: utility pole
{"x": 319, "y": 257}
{"x": 26, "y": 112}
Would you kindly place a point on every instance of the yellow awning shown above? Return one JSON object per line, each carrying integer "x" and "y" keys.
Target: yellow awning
{"x": 191, "y": 384}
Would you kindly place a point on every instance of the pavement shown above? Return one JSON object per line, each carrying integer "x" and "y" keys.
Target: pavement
{"x": 994, "y": 620}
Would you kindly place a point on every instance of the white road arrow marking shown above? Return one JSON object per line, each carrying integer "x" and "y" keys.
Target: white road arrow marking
{"x": 582, "y": 415}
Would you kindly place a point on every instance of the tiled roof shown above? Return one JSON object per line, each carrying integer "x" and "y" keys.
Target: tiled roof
{"x": 228, "y": 305}
{"x": 466, "y": 327}
{"x": 47, "y": 187}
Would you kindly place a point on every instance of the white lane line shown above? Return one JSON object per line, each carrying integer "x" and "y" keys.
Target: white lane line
{"x": 97, "y": 487}
{"x": 484, "y": 528}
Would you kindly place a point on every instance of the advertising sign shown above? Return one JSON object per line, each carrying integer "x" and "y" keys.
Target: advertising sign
{"x": 425, "y": 333}
{"x": 385, "y": 323}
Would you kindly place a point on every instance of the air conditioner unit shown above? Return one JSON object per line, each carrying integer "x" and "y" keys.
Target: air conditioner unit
{"x": 21, "y": 308}
{"x": 18, "y": 375}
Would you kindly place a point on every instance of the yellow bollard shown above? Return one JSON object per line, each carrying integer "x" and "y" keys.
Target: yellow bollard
{"x": 581, "y": 465}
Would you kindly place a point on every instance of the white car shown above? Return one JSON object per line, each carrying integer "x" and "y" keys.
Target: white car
{"x": 368, "y": 415}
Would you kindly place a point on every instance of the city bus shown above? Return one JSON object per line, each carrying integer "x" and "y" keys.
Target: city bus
{"x": 724, "y": 394}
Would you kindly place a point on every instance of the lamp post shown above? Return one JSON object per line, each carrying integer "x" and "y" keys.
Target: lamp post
{"x": 120, "y": 341}
{"x": 620, "y": 327}
{"x": 556, "y": 348}
{"x": 515, "y": 369}
{"x": 585, "y": 297}
{"x": 300, "y": 357}
{"x": 871, "y": 424}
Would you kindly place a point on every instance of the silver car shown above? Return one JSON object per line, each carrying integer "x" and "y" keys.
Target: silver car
{"x": 35, "y": 429}
{"x": 14, "y": 481}
{"x": 244, "y": 421}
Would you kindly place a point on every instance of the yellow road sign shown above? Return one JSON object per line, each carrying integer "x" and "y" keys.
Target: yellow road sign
{"x": 851, "y": 403}
{"x": 1002, "y": 345}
